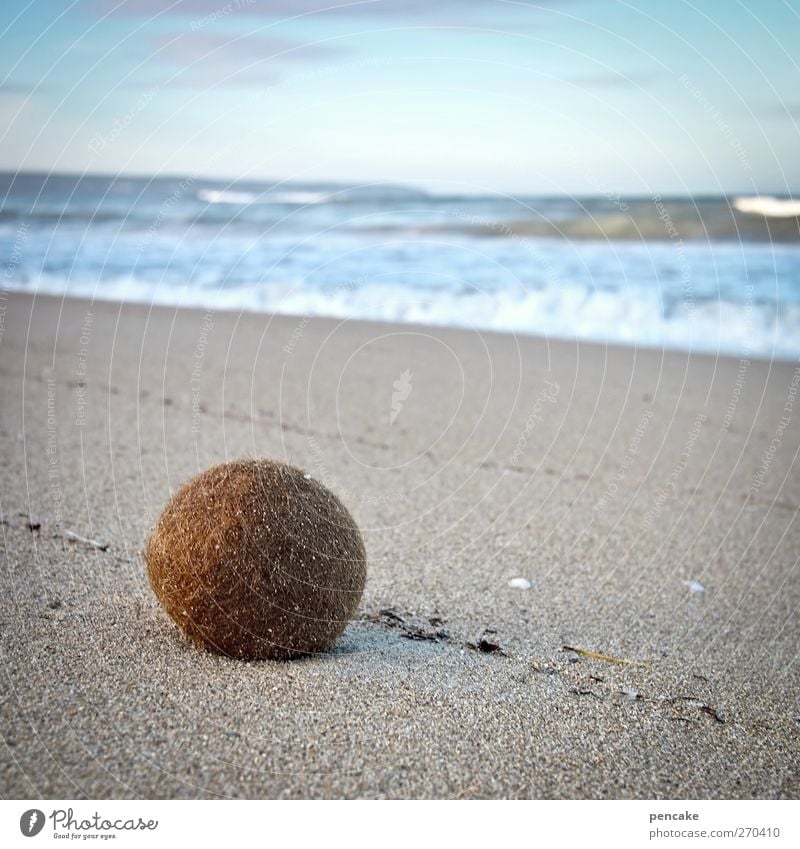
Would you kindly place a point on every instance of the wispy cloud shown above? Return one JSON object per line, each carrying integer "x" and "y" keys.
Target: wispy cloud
{"x": 292, "y": 8}
{"x": 213, "y": 58}
{"x": 10, "y": 88}
{"x": 239, "y": 49}
{"x": 788, "y": 111}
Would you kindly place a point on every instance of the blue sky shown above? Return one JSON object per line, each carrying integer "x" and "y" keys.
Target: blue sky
{"x": 577, "y": 96}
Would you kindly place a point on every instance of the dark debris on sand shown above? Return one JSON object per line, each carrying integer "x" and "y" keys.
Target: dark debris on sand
{"x": 488, "y": 642}
{"x": 410, "y": 625}
{"x": 414, "y": 626}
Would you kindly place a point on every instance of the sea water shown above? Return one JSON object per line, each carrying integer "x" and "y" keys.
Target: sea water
{"x": 691, "y": 274}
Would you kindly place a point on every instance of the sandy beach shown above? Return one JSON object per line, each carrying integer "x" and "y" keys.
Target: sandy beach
{"x": 650, "y": 499}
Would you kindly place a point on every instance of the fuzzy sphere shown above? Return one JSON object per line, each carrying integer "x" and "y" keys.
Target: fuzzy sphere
{"x": 255, "y": 560}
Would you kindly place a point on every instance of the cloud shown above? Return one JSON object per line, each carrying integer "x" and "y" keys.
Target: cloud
{"x": 203, "y": 59}
{"x": 788, "y": 111}
{"x": 292, "y": 8}
{"x": 239, "y": 50}
{"x": 15, "y": 88}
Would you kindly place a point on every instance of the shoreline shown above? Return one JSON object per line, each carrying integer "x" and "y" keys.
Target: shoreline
{"x": 632, "y": 347}
{"x": 648, "y": 498}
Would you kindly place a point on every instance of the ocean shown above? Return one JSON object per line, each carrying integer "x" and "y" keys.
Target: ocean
{"x": 713, "y": 274}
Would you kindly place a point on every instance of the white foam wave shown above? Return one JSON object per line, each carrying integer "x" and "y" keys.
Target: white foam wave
{"x": 220, "y": 196}
{"x": 770, "y": 207}
{"x": 566, "y": 312}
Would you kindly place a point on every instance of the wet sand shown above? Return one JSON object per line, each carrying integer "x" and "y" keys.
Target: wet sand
{"x": 650, "y": 499}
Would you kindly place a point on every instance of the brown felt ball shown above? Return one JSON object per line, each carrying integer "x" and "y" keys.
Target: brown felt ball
{"x": 255, "y": 560}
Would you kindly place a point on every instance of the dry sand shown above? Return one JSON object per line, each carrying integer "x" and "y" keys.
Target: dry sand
{"x": 605, "y": 487}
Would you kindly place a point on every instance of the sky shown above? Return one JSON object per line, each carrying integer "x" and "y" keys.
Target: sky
{"x": 567, "y": 96}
